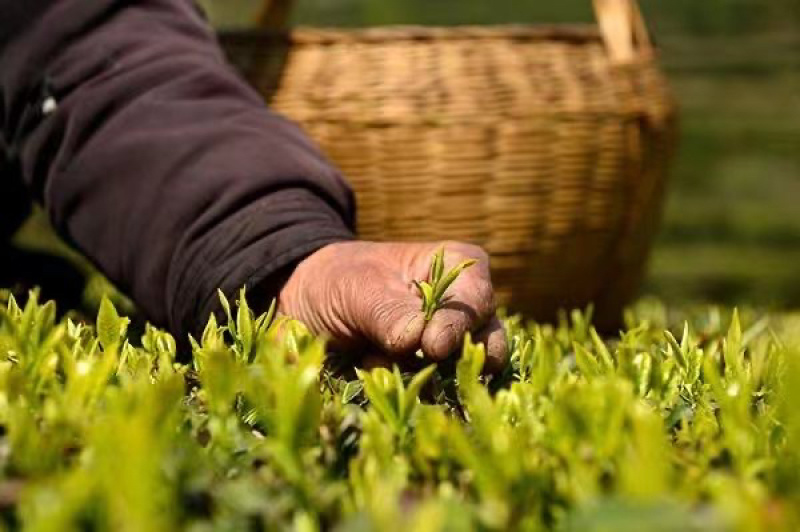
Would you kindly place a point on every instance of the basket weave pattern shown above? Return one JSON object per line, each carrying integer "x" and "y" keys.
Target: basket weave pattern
{"x": 528, "y": 141}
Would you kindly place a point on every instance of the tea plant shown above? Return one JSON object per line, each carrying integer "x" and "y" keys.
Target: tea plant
{"x": 676, "y": 424}
{"x": 432, "y": 291}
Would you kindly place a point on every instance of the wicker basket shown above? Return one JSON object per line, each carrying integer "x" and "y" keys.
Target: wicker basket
{"x": 546, "y": 145}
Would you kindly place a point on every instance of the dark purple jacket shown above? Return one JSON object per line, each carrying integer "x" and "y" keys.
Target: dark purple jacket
{"x": 153, "y": 158}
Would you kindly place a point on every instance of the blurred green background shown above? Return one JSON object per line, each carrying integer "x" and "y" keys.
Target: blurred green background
{"x": 731, "y": 231}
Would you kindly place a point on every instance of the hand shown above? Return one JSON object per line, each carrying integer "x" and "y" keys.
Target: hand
{"x": 362, "y": 295}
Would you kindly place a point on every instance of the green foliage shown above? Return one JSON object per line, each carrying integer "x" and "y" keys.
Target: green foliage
{"x": 693, "y": 427}
{"x": 432, "y": 290}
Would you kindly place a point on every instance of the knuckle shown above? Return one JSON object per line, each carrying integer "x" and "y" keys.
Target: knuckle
{"x": 466, "y": 249}
{"x": 363, "y": 297}
{"x": 481, "y": 254}
{"x": 382, "y": 314}
{"x": 460, "y": 251}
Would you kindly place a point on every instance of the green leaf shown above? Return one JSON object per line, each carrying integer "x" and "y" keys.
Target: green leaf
{"x": 351, "y": 390}
{"x": 685, "y": 339}
{"x": 400, "y": 393}
{"x": 433, "y": 291}
{"x": 13, "y": 308}
{"x": 442, "y": 286}
{"x": 415, "y": 387}
{"x": 586, "y": 361}
{"x": 211, "y": 336}
{"x": 264, "y": 321}
{"x": 426, "y": 291}
{"x": 676, "y": 349}
{"x": 378, "y": 399}
{"x": 244, "y": 326}
{"x": 194, "y": 345}
{"x": 437, "y": 267}
{"x": 470, "y": 366}
{"x": 110, "y": 326}
{"x": 733, "y": 349}
{"x": 226, "y": 306}
{"x": 602, "y": 350}
{"x": 644, "y": 370}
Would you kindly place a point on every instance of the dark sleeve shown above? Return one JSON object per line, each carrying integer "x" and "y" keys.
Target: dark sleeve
{"x": 154, "y": 158}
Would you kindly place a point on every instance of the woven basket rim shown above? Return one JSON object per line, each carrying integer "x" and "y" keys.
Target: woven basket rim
{"x": 490, "y": 122}
{"x": 577, "y": 33}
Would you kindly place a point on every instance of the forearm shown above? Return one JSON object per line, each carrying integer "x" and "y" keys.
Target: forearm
{"x": 154, "y": 158}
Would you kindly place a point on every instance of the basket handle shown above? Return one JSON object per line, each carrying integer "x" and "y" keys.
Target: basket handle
{"x": 274, "y": 14}
{"x": 624, "y": 30}
{"x": 621, "y": 24}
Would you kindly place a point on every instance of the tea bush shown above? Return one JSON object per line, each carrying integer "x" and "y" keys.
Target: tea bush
{"x": 661, "y": 428}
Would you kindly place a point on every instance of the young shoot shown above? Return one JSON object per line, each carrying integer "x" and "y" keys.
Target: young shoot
{"x": 432, "y": 290}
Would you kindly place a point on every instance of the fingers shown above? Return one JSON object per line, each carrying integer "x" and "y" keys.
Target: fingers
{"x": 395, "y": 323}
{"x": 446, "y": 330}
{"x": 493, "y": 337}
{"x": 387, "y": 309}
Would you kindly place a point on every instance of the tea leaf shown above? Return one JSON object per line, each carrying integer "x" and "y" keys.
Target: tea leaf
{"x": 110, "y": 326}
{"x": 450, "y": 277}
{"x": 432, "y": 292}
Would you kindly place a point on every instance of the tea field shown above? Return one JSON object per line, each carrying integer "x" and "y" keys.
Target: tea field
{"x": 686, "y": 421}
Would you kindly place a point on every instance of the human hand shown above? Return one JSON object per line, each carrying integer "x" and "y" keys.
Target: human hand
{"x": 362, "y": 295}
